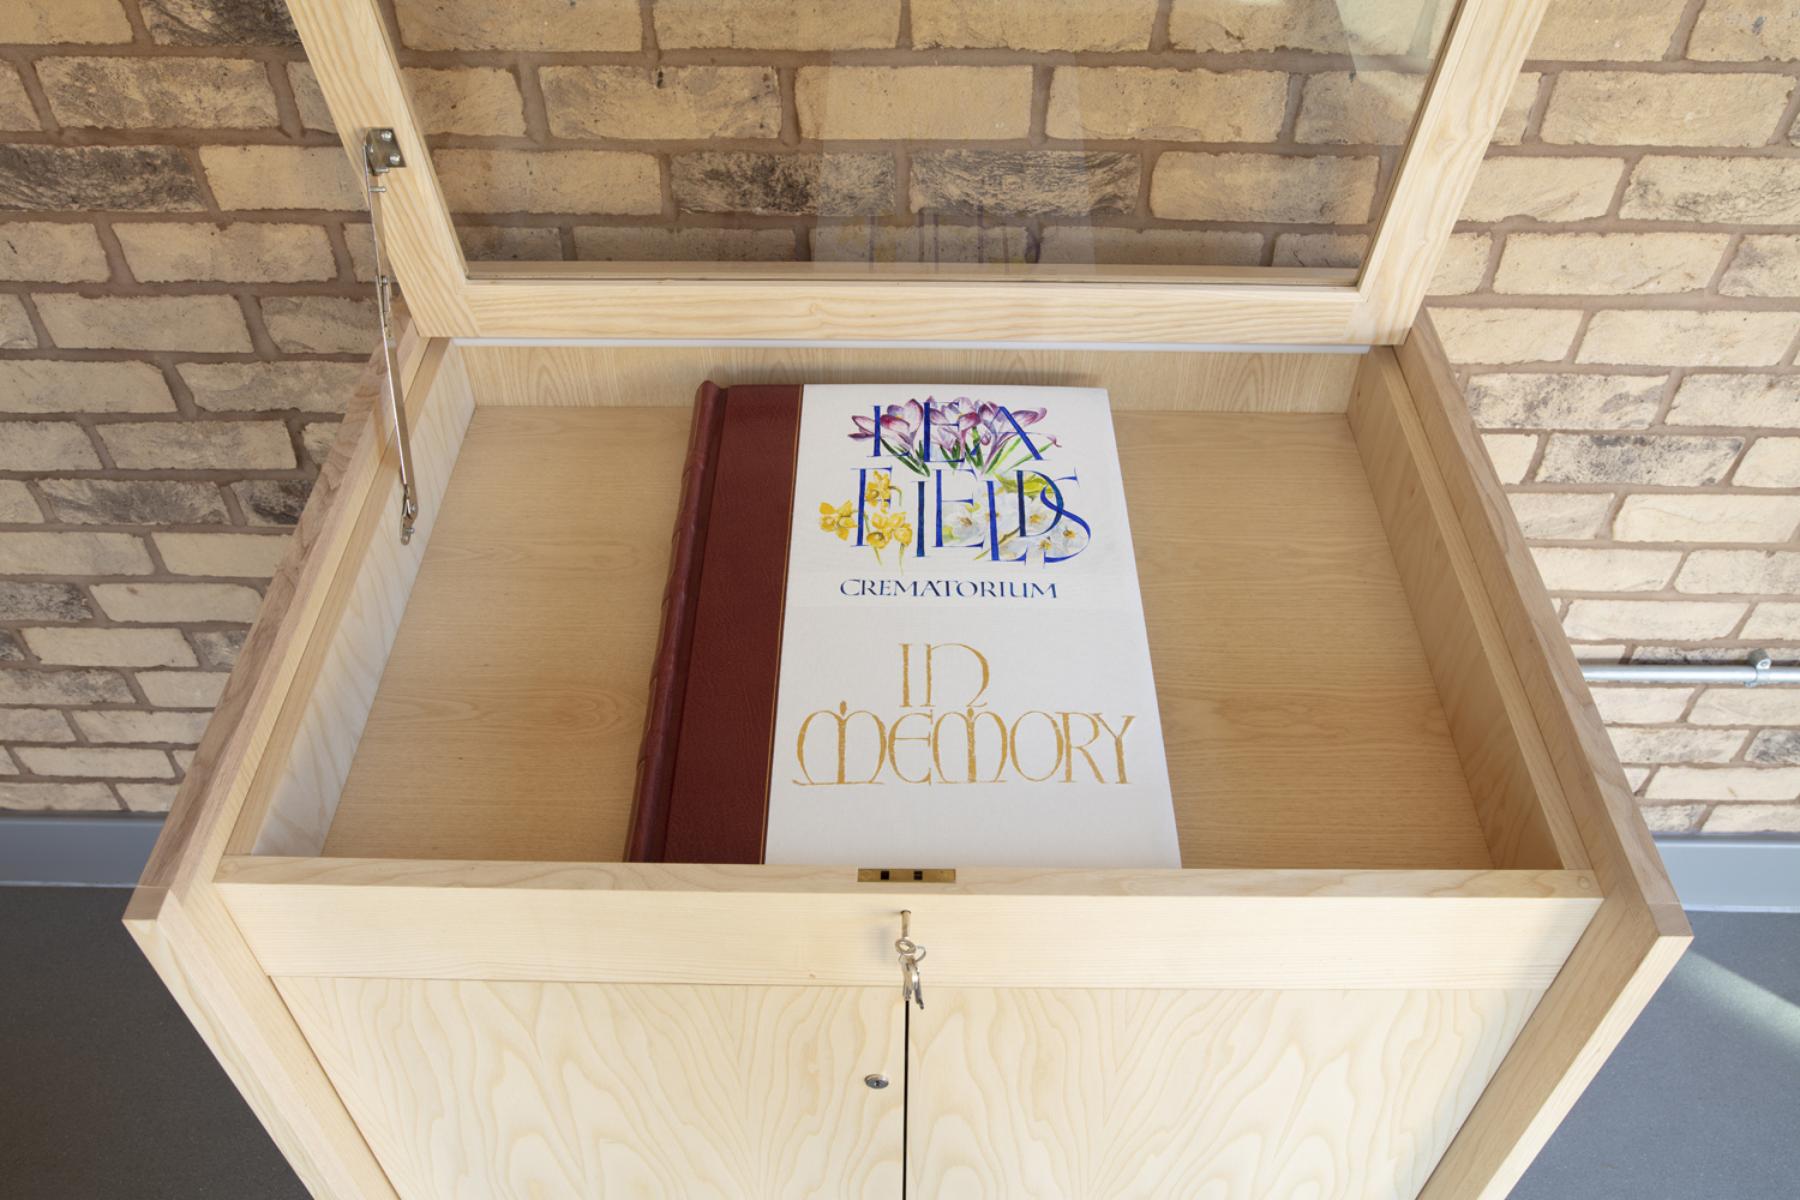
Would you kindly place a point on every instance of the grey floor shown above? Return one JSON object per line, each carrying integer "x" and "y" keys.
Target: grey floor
{"x": 107, "y": 1094}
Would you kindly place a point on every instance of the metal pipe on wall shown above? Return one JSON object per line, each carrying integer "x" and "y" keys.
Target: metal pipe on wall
{"x": 1760, "y": 670}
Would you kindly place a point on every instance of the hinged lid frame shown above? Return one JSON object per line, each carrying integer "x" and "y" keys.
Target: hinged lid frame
{"x": 359, "y": 74}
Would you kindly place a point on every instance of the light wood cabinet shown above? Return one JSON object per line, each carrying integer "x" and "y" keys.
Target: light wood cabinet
{"x": 1416, "y": 907}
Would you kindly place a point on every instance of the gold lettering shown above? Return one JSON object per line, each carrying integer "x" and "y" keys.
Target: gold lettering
{"x": 1069, "y": 739}
{"x": 931, "y": 650}
{"x": 1118, "y": 740}
{"x": 843, "y": 719}
{"x": 1055, "y": 730}
{"x": 893, "y": 745}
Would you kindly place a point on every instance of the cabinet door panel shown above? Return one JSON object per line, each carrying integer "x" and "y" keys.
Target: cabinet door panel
{"x": 1223, "y": 1094}
{"x": 470, "y": 1090}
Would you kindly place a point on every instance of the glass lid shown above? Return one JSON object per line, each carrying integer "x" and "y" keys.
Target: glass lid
{"x": 941, "y": 133}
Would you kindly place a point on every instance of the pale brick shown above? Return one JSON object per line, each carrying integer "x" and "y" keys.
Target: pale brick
{"x": 194, "y": 323}
{"x": 1024, "y": 182}
{"x": 1631, "y": 458}
{"x": 1607, "y": 30}
{"x": 219, "y": 648}
{"x": 1664, "y": 818}
{"x": 1465, "y": 261}
{"x": 183, "y": 689}
{"x": 317, "y": 438}
{"x": 1678, "y": 338}
{"x": 93, "y": 21}
{"x": 1097, "y": 25}
{"x": 1506, "y": 335}
{"x": 265, "y": 177}
{"x": 1724, "y": 783}
{"x": 1572, "y": 570}
{"x": 159, "y": 93}
{"x": 555, "y": 25}
{"x": 1640, "y": 620}
{"x": 1517, "y": 113}
{"x": 1157, "y": 247}
{"x": 1690, "y": 518}
{"x": 1749, "y": 572}
{"x": 80, "y": 647}
{"x": 16, "y": 505}
{"x": 1779, "y": 622}
{"x": 780, "y": 24}
{"x": 1511, "y": 454}
{"x": 1747, "y": 706}
{"x": 1634, "y": 108}
{"x": 931, "y": 242}
{"x": 1544, "y": 189}
{"x": 1324, "y": 190}
{"x": 1731, "y": 191}
{"x": 219, "y": 22}
{"x": 177, "y": 603}
{"x": 1745, "y": 31}
{"x": 1319, "y": 250}
{"x": 649, "y": 243}
{"x": 1767, "y": 265}
{"x": 45, "y": 446}
{"x": 148, "y": 797}
{"x": 1557, "y": 401}
{"x": 1633, "y": 705}
{"x": 1338, "y": 108}
{"x": 1753, "y": 818}
{"x": 496, "y": 243}
{"x": 320, "y": 324}
{"x": 199, "y": 445}
{"x": 1328, "y": 26}
{"x": 118, "y": 725}
{"x": 15, "y": 327}
{"x": 22, "y": 601}
{"x": 1779, "y": 746}
{"x": 134, "y": 502}
{"x": 63, "y": 687}
{"x": 1772, "y": 463}
{"x": 482, "y": 101}
{"x": 96, "y": 178}
{"x": 165, "y": 252}
{"x": 571, "y": 181}
{"x": 913, "y": 102}
{"x": 34, "y": 725}
{"x": 51, "y": 252}
{"x": 1561, "y": 516}
{"x": 15, "y": 106}
{"x": 1741, "y": 401}
{"x": 1595, "y": 264}
{"x": 309, "y": 98}
{"x": 1676, "y": 745}
{"x": 57, "y": 797}
{"x": 272, "y": 501}
{"x": 231, "y": 555}
{"x": 268, "y": 387}
{"x": 1151, "y": 103}
{"x": 103, "y": 761}
{"x": 662, "y": 102}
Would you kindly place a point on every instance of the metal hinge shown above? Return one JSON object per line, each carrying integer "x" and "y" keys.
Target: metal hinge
{"x": 381, "y": 154}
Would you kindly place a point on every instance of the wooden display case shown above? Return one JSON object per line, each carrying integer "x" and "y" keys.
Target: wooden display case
{"x": 1417, "y": 905}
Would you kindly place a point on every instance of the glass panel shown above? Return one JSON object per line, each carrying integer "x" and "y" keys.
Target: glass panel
{"x": 949, "y": 132}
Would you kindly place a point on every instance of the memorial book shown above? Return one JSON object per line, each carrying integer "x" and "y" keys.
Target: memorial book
{"x": 903, "y": 629}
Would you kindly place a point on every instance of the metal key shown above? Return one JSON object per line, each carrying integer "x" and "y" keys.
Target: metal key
{"x": 912, "y": 990}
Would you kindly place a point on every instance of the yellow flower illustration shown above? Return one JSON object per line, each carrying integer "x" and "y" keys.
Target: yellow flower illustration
{"x": 878, "y": 489}
{"x": 840, "y": 520}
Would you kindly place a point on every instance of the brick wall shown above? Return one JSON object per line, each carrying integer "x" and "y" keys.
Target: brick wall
{"x": 183, "y": 267}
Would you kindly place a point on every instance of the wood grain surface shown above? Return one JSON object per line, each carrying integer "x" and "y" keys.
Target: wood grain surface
{"x": 1233, "y": 1095}
{"x": 483, "y": 1090}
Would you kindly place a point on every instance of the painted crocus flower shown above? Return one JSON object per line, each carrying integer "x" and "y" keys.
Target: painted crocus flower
{"x": 997, "y": 432}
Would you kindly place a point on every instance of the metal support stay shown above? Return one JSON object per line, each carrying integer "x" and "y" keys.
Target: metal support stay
{"x": 1761, "y": 669}
{"x": 381, "y": 154}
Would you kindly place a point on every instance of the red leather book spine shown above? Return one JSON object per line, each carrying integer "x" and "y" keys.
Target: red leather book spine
{"x": 645, "y": 839}
{"x": 719, "y": 793}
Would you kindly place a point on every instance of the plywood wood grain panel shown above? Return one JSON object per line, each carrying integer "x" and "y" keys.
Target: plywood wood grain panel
{"x": 478, "y": 1090}
{"x": 667, "y": 375}
{"x": 1302, "y": 723}
{"x": 508, "y": 719}
{"x": 1234, "y": 1095}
